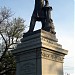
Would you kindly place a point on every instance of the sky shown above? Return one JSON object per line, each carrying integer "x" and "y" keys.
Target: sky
{"x": 63, "y": 19}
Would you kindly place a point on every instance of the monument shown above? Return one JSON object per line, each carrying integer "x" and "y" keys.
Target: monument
{"x": 39, "y": 52}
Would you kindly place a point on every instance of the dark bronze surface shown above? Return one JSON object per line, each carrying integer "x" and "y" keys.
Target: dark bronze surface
{"x": 42, "y": 12}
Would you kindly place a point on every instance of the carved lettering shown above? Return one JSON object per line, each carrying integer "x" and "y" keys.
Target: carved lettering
{"x": 52, "y": 56}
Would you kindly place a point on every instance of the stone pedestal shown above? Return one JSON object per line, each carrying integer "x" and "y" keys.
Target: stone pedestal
{"x": 39, "y": 54}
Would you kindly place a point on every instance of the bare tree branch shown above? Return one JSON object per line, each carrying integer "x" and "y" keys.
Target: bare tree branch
{"x": 11, "y": 32}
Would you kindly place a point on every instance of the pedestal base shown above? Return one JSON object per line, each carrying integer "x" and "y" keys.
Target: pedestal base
{"x": 39, "y": 54}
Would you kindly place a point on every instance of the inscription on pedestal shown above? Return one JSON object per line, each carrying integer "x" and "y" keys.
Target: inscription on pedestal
{"x": 53, "y": 56}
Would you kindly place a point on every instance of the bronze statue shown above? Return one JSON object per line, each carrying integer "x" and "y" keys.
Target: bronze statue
{"x": 42, "y": 13}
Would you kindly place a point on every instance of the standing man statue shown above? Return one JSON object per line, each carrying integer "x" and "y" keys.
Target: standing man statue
{"x": 42, "y": 13}
{"x": 38, "y": 14}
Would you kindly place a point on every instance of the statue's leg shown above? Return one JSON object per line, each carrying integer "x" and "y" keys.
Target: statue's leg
{"x": 32, "y": 23}
{"x": 43, "y": 24}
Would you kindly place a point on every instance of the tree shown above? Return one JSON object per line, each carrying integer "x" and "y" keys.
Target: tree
{"x": 8, "y": 65}
{"x": 10, "y": 32}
